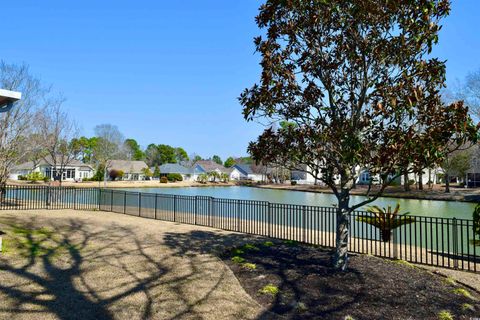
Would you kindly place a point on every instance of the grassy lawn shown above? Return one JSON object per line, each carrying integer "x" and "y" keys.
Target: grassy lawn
{"x": 97, "y": 265}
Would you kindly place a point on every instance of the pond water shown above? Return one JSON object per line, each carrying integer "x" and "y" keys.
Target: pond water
{"x": 433, "y": 208}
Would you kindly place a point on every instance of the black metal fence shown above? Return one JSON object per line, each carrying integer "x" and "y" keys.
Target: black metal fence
{"x": 40, "y": 197}
{"x": 435, "y": 241}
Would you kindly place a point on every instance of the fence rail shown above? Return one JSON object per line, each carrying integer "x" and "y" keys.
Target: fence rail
{"x": 446, "y": 242}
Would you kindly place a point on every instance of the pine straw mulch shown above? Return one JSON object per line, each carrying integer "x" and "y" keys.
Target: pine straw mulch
{"x": 373, "y": 288}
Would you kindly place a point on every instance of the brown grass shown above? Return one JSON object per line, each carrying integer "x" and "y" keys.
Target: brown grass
{"x": 98, "y": 265}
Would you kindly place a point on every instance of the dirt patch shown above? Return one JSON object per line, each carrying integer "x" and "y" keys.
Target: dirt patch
{"x": 298, "y": 282}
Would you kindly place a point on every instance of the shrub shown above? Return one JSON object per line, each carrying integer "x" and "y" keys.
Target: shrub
{"x": 463, "y": 292}
{"x": 163, "y": 180}
{"x": 99, "y": 174}
{"x": 451, "y": 281}
{"x": 156, "y": 172}
{"x": 293, "y": 183}
{"x": 237, "y": 252}
{"x": 250, "y": 247}
{"x": 224, "y": 177}
{"x": 386, "y": 220}
{"x": 468, "y": 307}
{"x": 268, "y": 243}
{"x": 238, "y": 259}
{"x": 250, "y": 266}
{"x": 115, "y": 174}
{"x": 290, "y": 242}
{"x": 445, "y": 315}
{"x": 21, "y": 177}
{"x": 269, "y": 289}
{"x": 173, "y": 177}
{"x": 147, "y": 173}
{"x": 411, "y": 182}
{"x": 35, "y": 176}
{"x": 203, "y": 178}
{"x": 213, "y": 175}
{"x": 46, "y": 179}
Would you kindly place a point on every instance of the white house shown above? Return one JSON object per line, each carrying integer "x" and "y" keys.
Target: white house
{"x": 206, "y": 166}
{"x": 247, "y": 173}
{"x": 74, "y": 170}
{"x": 132, "y": 170}
{"x": 188, "y": 174}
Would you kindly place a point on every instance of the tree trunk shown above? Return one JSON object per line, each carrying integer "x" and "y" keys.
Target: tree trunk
{"x": 447, "y": 183}
{"x": 420, "y": 180}
{"x": 343, "y": 226}
{"x": 3, "y": 192}
{"x": 406, "y": 182}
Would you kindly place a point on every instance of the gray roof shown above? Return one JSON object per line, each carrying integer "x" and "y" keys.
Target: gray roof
{"x": 127, "y": 166}
{"x": 244, "y": 168}
{"x": 48, "y": 161}
{"x": 209, "y": 165}
{"x": 175, "y": 168}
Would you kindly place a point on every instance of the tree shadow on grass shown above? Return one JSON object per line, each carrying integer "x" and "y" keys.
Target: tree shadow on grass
{"x": 74, "y": 270}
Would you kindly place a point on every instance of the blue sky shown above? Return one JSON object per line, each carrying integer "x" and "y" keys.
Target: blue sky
{"x": 169, "y": 71}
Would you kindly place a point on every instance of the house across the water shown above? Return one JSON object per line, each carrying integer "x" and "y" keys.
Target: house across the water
{"x": 188, "y": 174}
{"x": 132, "y": 170}
{"x": 73, "y": 170}
{"x": 206, "y": 166}
{"x": 247, "y": 172}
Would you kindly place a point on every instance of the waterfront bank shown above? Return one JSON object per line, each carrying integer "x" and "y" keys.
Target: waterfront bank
{"x": 436, "y": 193}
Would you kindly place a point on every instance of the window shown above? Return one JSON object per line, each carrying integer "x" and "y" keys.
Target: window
{"x": 365, "y": 176}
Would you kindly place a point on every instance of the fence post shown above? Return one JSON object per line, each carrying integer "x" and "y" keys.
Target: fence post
{"x": 195, "y": 210}
{"x": 99, "y": 198}
{"x": 269, "y": 213}
{"x": 75, "y": 199}
{"x": 175, "y": 208}
{"x": 238, "y": 215}
{"x": 155, "y": 210}
{"x": 304, "y": 223}
{"x": 125, "y": 202}
{"x": 395, "y": 244}
{"x": 139, "y": 204}
{"x": 111, "y": 200}
{"x": 455, "y": 242}
{"x": 47, "y": 198}
{"x": 210, "y": 205}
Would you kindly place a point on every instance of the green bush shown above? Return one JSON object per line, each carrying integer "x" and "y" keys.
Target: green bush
{"x": 35, "y": 176}
{"x": 386, "y": 220}
{"x": 293, "y": 182}
{"x": 116, "y": 174}
{"x": 21, "y": 177}
{"x": 269, "y": 289}
{"x": 173, "y": 177}
{"x": 46, "y": 179}
{"x": 163, "y": 180}
{"x": 99, "y": 174}
{"x": 238, "y": 259}
{"x": 203, "y": 178}
{"x": 249, "y": 266}
{"x": 445, "y": 315}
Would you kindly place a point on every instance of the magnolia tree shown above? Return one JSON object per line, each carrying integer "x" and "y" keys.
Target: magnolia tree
{"x": 357, "y": 84}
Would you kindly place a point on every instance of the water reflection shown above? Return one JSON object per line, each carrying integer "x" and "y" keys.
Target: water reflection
{"x": 447, "y": 209}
